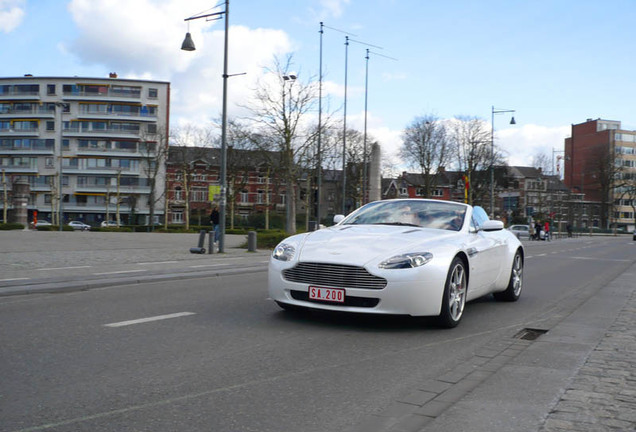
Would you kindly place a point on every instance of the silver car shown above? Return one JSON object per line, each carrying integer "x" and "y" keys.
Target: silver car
{"x": 79, "y": 226}
{"x": 521, "y": 231}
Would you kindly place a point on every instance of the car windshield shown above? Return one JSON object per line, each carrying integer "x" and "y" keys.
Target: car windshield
{"x": 417, "y": 213}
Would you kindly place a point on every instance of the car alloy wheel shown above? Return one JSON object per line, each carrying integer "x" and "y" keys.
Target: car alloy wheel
{"x": 454, "y": 294}
{"x": 513, "y": 291}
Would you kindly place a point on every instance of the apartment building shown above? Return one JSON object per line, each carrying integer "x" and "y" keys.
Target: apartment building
{"x": 96, "y": 143}
{"x": 600, "y": 163}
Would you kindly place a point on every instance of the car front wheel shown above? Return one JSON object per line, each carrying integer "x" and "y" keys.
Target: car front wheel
{"x": 454, "y": 294}
{"x": 513, "y": 291}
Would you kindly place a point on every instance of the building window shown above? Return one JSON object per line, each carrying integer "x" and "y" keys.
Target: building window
{"x": 177, "y": 217}
{"x": 48, "y": 162}
{"x": 50, "y": 125}
{"x": 152, "y": 128}
{"x": 153, "y": 93}
{"x": 178, "y": 193}
{"x": 438, "y": 193}
{"x": 244, "y": 197}
{"x": 50, "y": 89}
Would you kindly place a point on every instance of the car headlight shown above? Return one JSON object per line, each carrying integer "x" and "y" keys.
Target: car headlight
{"x": 284, "y": 252}
{"x": 409, "y": 260}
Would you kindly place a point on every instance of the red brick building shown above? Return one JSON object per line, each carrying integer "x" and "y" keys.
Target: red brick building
{"x": 253, "y": 184}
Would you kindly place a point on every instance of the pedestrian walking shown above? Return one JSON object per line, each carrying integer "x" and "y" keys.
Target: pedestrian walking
{"x": 214, "y": 220}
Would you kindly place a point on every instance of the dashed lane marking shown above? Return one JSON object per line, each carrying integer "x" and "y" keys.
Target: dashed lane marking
{"x": 63, "y": 268}
{"x": 119, "y": 272}
{"x": 149, "y": 319}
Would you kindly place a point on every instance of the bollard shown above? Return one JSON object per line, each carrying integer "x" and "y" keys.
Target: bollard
{"x": 199, "y": 249}
{"x": 211, "y": 242}
{"x": 251, "y": 241}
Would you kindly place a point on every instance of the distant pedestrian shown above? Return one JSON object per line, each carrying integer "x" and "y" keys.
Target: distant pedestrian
{"x": 568, "y": 228}
{"x": 537, "y": 230}
{"x": 214, "y": 220}
{"x": 546, "y": 230}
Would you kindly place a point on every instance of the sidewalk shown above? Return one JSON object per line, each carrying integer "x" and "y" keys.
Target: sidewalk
{"x": 53, "y": 261}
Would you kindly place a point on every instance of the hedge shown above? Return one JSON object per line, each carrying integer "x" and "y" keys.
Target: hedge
{"x": 11, "y": 226}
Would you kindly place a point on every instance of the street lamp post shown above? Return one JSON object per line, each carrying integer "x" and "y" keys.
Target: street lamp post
{"x": 188, "y": 45}
{"x": 492, "y": 155}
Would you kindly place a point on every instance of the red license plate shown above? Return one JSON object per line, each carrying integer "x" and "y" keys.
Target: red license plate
{"x": 327, "y": 294}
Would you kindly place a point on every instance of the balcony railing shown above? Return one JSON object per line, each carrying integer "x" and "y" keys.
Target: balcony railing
{"x": 104, "y": 93}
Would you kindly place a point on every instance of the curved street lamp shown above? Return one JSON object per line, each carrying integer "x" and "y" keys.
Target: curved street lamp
{"x": 188, "y": 45}
{"x": 492, "y": 154}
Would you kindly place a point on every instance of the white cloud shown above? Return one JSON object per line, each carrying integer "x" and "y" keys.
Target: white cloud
{"x": 334, "y": 7}
{"x": 146, "y": 45}
{"x": 522, "y": 144}
{"x": 11, "y": 14}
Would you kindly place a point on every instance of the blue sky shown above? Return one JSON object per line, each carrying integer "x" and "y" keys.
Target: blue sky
{"x": 555, "y": 62}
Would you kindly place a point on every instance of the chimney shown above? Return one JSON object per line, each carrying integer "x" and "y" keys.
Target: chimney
{"x": 112, "y": 75}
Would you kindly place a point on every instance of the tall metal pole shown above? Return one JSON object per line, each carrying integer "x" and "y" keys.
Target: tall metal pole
{"x": 224, "y": 136}
{"x": 188, "y": 45}
{"x": 319, "y": 155}
{"x": 344, "y": 133}
{"x": 494, "y": 111}
{"x": 492, "y": 163}
{"x": 364, "y": 162}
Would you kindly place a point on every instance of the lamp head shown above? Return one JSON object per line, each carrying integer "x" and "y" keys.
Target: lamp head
{"x": 512, "y": 120}
{"x": 188, "y": 43}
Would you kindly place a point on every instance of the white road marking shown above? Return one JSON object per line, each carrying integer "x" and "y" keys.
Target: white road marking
{"x": 62, "y": 268}
{"x": 159, "y": 262}
{"x": 119, "y": 272}
{"x": 207, "y": 265}
{"x": 149, "y": 319}
{"x": 13, "y": 279}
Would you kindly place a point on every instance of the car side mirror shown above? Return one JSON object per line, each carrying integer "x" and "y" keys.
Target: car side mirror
{"x": 338, "y": 218}
{"x": 492, "y": 225}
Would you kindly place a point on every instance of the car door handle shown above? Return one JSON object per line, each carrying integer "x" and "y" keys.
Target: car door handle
{"x": 472, "y": 251}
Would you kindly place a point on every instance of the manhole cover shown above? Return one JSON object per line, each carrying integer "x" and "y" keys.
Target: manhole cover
{"x": 530, "y": 334}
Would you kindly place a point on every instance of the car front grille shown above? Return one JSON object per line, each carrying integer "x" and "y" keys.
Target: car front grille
{"x": 333, "y": 275}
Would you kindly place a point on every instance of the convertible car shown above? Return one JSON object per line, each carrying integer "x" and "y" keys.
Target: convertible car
{"x": 406, "y": 257}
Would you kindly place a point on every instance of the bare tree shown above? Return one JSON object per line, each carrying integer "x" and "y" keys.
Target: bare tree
{"x": 279, "y": 111}
{"x": 154, "y": 149}
{"x": 425, "y": 147}
{"x": 542, "y": 161}
{"x": 471, "y": 140}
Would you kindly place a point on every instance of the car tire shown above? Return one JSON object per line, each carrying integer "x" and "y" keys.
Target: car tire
{"x": 454, "y": 299}
{"x": 515, "y": 284}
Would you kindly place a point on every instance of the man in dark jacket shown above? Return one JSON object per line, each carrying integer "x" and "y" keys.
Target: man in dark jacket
{"x": 214, "y": 220}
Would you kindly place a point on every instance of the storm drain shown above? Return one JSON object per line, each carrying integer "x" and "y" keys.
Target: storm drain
{"x": 530, "y": 334}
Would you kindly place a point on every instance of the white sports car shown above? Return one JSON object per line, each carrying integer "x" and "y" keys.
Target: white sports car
{"x": 407, "y": 256}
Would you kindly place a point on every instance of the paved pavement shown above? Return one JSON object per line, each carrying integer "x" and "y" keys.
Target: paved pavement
{"x": 580, "y": 376}
{"x": 53, "y": 261}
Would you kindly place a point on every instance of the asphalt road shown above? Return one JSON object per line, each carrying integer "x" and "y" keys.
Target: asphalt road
{"x": 218, "y": 355}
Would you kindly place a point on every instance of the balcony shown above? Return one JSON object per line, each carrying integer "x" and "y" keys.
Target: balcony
{"x": 34, "y": 112}
{"x": 37, "y": 148}
{"x": 17, "y": 94}
{"x": 28, "y": 132}
{"x": 103, "y": 94}
{"x": 106, "y": 132}
{"x": 109, "y": 115}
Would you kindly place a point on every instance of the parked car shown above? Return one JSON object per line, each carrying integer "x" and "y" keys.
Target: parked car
{"x": 109, "y": 224}
{"x": 521, "y": 231}
{"x": 79, "y": 226}
{"x": 405, "y": 256}
{"x": 41, "y": 223}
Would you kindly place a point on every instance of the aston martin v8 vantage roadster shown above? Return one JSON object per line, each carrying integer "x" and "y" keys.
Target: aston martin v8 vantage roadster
{"x": 414, "y": 257}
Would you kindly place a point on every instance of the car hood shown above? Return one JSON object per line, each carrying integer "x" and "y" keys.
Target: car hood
{"x": 357, "y": 245}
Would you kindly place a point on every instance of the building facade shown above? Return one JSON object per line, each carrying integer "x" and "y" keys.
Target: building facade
{"x": 600, "y": 163}
{"x": 90, "y": 148}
